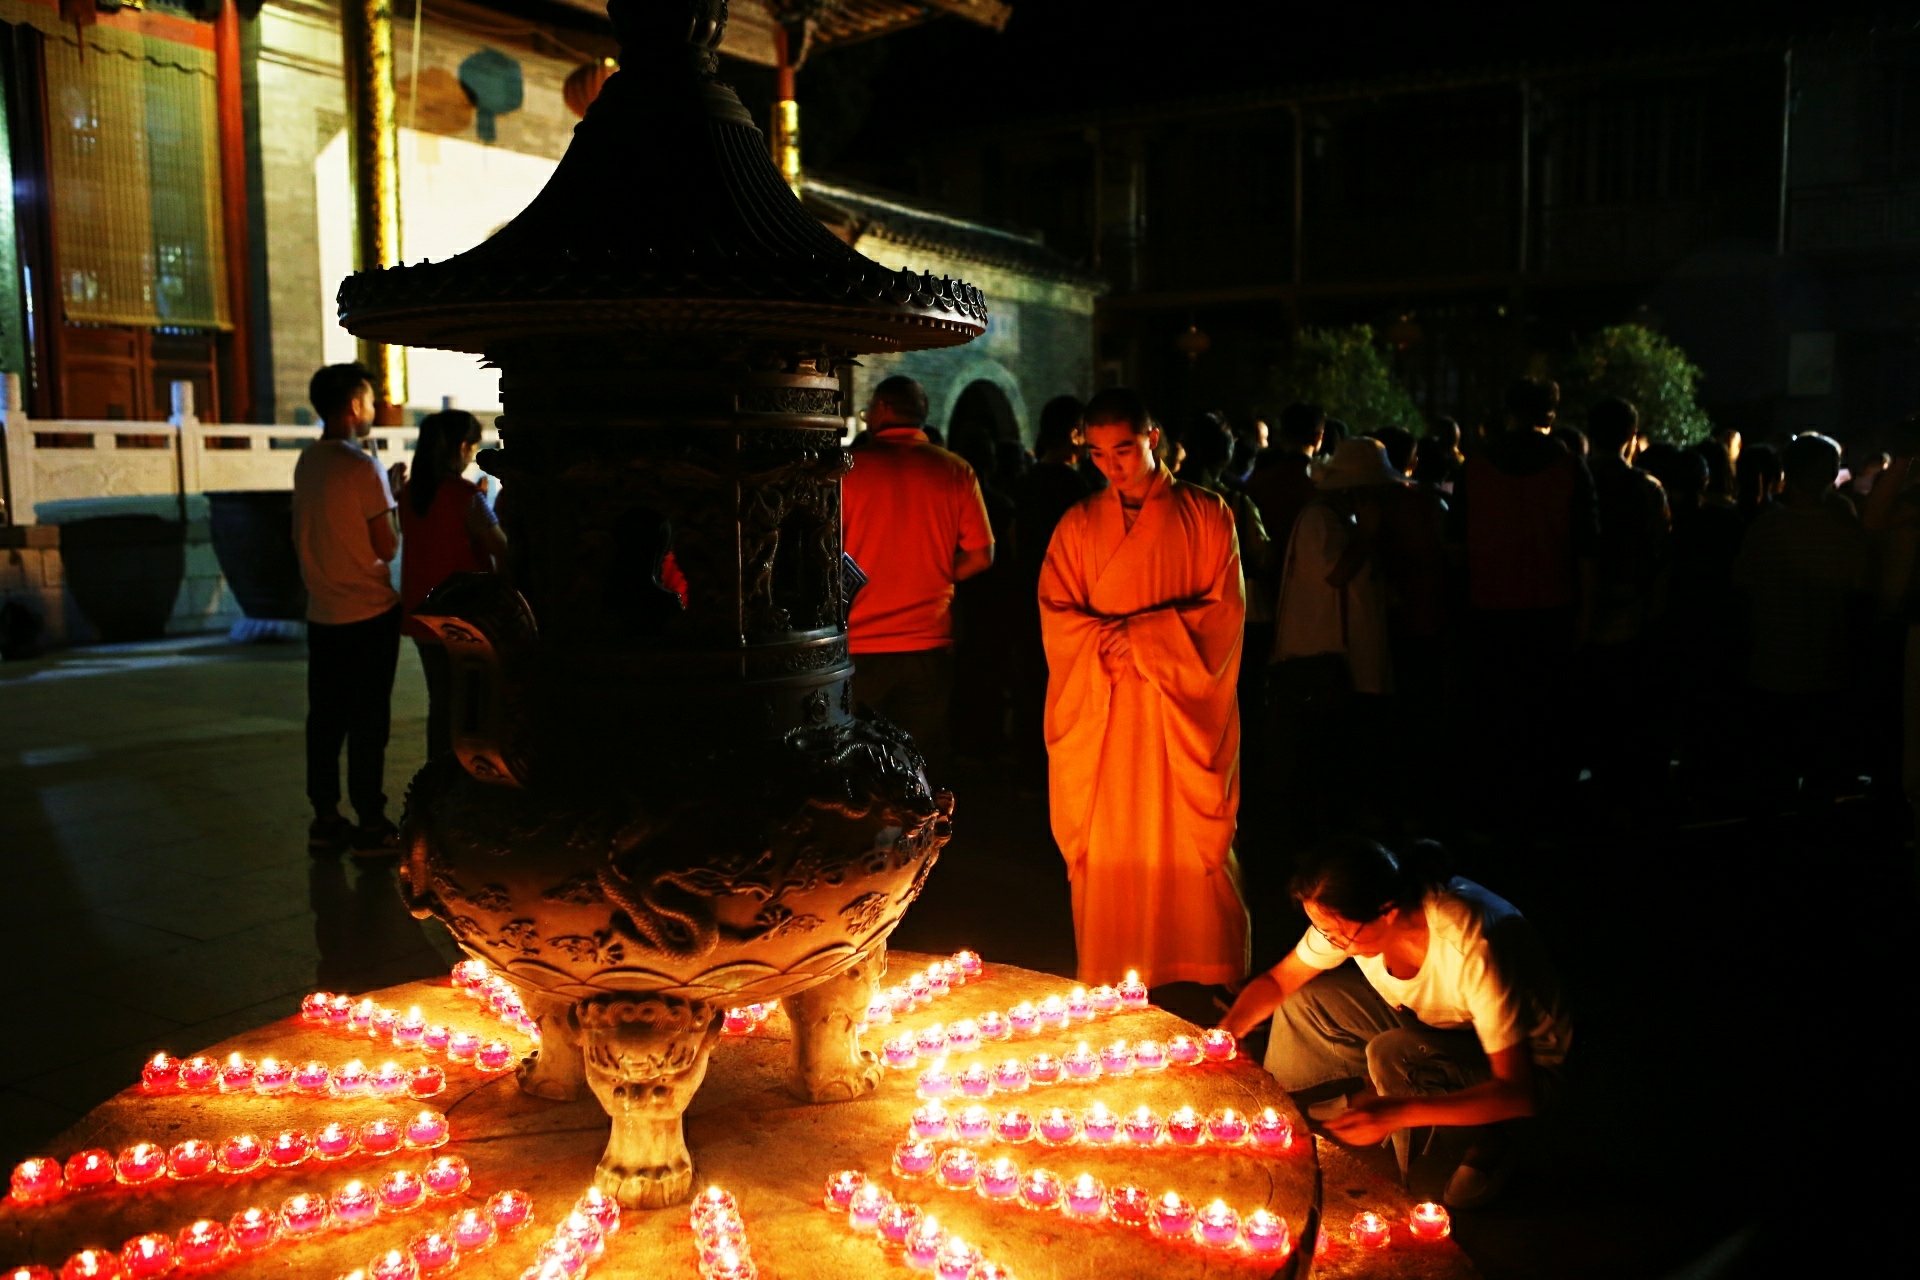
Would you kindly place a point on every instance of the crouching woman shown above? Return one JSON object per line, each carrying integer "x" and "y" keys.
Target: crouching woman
{"x": 1448, "y": 1015}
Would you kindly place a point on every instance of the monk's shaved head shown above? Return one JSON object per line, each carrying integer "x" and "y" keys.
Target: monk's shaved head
{"x": 1118, "y": 406}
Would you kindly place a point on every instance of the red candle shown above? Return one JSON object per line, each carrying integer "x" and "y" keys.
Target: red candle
{"x": 199, "y": 1072}
{"x": 495, "y": 1055}
{"x": 435, "y": 1037}
{"x": 1133, "y": 992}
{"x": 897, "y": 1220}
{"x": 88, "y": 1169}
{"x": 272, "y": 1076}
{"x": 433, "y": 1251}
{"x": 388, "y": 1080}
{"x": 1040, "y": 1189}
{"x": 160, "y": 1073}
{"x": 1429, "y": 1221}
{"x": 863, "y": 1210}
{"x": 36, "y": 1180}
{"x": 511, "y": 1210}
{"x": 1086, "y": 1197}
{"x": 31, "y": 1271}
{"x": 288, "y": 1148}
{"x": 1218, "y": 1226}
{"x": 601, "y": 1207}
{"x": 735, "y": 1022}
{"x": 191, "y": 1159}
{"x": 446, "y": 1176}
{"x": 1100, "y": 1126}
{"x": 1271, "y": 1129}
{"x": 354, "y": 1205}
{"x": 426, "y": 1130}
{"x": 202, "y": 1243}
{"x": 1266, "y": 1234}
{"x": 313, "y": 1007}
{"x": 958, "y": 1167}
{"x": 1183, "y": 1051}
{"x": 140, "y": 1164}
{"x": 1043, "y": 1068}
{"x": 1143, "y": 1127}
{"x": 401, "y": 1192}
{"x": 999, "y": 1179}
{"x": 1172, "y": 1215}
{"x": 237, "y": 1075}
{"x": 242, "y": 1153}
{"x": 1185, "y": 1128}
{"x": 394, "y": 1264}
{"x": 336, "y": 1141}
{"x": 472, "y": 1229}
{"x": 840, "y": 1188}
{"x": 1217, "y": 1045}
{"x": 425, "y": 1081}
{"x": 351, "y": 1079}
{"x": 1058, "y": 1126}
{"x": 914, "y": 1158}
{"x": 1013, "y": 1125}
{"x": 410, "y": 1029}
{"x": 304, "y": 1214}
{"x": 462, "y": 1046}
{"x": 380, "y": 1137}
{"x": 1129, "y": 1205}
{"x": 312, "y": 1078}
{"x": 91, "y": 1264}
{"x": 1370, "y": 1230}
{"x": 253, "y": 1229}
{"x": 1227, "y": 1127}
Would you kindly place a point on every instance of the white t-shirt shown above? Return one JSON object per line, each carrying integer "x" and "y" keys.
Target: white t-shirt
{"x": 337, "y": 488}
{"x": 1485, "y": 968}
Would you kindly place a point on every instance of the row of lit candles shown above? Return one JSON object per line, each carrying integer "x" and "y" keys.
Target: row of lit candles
{"x": 164, "y": 1073}
{"x": 39, "y": 1179}
{"x": 575, "y": 1244}
{"x": 1425, "y": 1221}
{"x": 1097, "y": 1126}
{"x": 922, "y": 988}
{"x": 409, "y": 1030}
{"x": 720, "y": 1237}
{"x": 207, "y": 1243}
{"x": 496, "y": 995}
{"x": 1053, "y": 1013}
{"x": 1080, "y": 1065}
{"x": 1086, "y": 1199}
{"x": 924, "y": 1244}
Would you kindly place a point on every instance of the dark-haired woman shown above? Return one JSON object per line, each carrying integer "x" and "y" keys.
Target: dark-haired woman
{"x": 1449, "y": 1015}
{"x": 446, "y": 527}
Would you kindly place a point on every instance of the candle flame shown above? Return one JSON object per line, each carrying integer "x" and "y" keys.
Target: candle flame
{"x": 235, "y": 1058}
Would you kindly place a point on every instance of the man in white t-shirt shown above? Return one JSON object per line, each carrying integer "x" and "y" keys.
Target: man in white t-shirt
{"x": 346, "y": 533}
{"x": 1450, "y": 1014}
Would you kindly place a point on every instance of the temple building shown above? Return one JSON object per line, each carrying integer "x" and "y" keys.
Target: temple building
{"x": 187, "y": 208}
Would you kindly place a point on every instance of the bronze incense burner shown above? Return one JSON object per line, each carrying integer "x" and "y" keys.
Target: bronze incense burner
{"x": 662, "y": 801}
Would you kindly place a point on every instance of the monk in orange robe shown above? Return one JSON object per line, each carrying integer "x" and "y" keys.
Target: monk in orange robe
{"x": 1141, "y": 607}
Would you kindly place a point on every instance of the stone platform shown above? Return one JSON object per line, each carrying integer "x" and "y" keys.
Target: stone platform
{"x": 747, "y": 1135}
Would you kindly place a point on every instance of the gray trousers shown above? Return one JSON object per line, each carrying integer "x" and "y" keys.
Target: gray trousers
{"x": 1338, "y": 1027}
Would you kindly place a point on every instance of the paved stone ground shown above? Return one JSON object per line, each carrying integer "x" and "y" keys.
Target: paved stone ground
{"x": 1727, "y": 978}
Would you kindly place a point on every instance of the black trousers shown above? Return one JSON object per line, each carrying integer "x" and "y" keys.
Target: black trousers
{"x": 439, "y": 671}
{"x": 350, "y": 700}
{"x": 915, "y": 691}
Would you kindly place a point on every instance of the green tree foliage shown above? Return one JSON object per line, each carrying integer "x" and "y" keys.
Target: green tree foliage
{"x": 1345, "y": 372}
{"x": 1644, "y": 368}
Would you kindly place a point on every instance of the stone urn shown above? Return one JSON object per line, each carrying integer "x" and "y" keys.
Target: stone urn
{"x": 662, "y": 800}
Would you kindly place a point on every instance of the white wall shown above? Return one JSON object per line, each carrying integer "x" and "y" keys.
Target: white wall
{"x": 453, "y": 195}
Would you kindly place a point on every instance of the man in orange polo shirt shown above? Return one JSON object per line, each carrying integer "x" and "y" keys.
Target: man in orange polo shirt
{"x": 915, "y": 523}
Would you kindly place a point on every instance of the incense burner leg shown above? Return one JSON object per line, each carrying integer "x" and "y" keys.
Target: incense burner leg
{"x": 828, "y": 1063}
{"x": 556, "y": 1070}
{"x": 645, "y": 1057}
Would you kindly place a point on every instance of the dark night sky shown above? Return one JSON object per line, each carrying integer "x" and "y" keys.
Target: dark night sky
{"x": 863, "y": 104}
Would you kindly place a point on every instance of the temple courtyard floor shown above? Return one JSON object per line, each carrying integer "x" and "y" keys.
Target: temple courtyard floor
{"x": 159, "y": 894}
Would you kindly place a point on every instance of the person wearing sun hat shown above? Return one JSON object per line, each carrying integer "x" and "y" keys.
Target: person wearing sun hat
{"x": 1332, "y": 661}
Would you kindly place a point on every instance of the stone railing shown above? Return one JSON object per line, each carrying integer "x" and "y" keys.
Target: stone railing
{"x": 68, "y": 459}
{"x": 62, "y": 471}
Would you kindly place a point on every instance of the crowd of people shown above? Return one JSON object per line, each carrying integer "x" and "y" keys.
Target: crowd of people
{"x": 1254, "y": 665}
